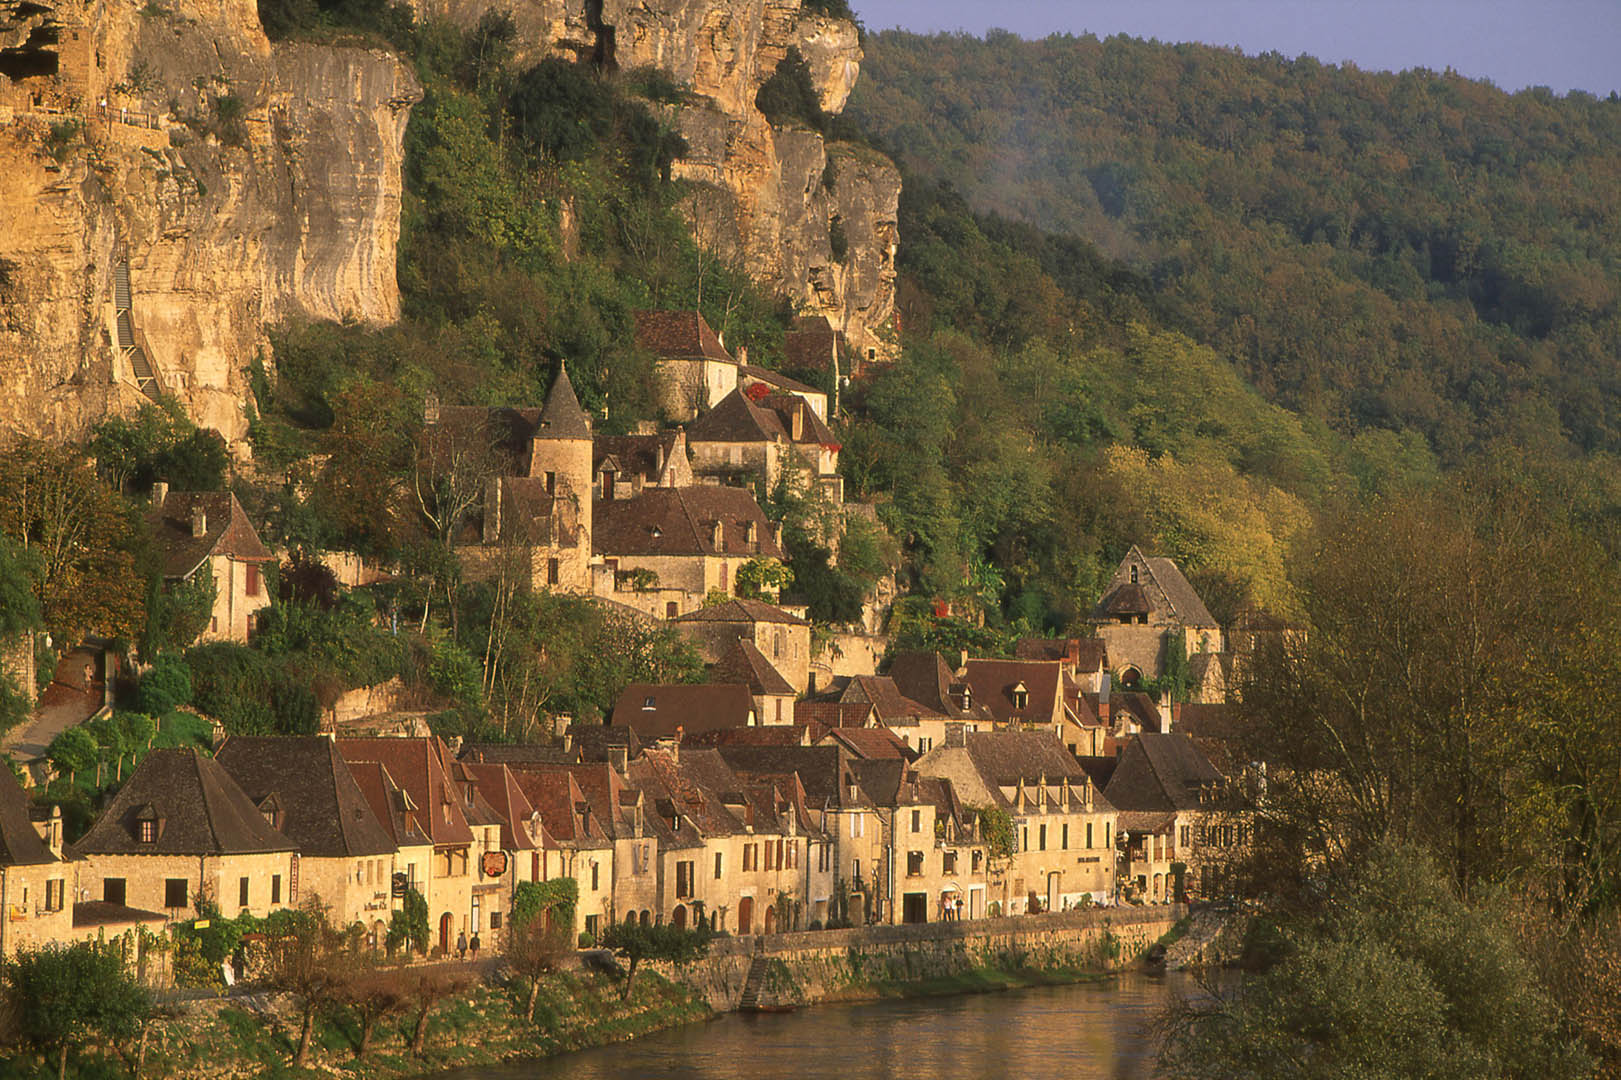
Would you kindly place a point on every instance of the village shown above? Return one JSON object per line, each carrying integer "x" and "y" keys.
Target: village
{"x": 795, "y": 788}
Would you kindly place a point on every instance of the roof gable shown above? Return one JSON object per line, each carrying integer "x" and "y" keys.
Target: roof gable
{"x": 197, "y": 807}
{"x": 226, "y": 530}
{"x": 305, "y": 780}
{"x": 679, "y": 335}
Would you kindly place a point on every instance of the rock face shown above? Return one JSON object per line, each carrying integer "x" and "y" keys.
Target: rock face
{"x": 197, "y": 184}
{"x": 765, "y": 195}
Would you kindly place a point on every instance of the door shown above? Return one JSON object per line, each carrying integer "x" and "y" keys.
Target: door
{"x": 445, "y": 923}
{"x": 915, "y": 907}
{"x": 771, "y": 919}
{"x": 745, "y": 915}
{"x": 678, "y": 918}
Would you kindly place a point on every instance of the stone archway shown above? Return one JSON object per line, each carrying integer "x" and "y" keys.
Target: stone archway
{"x": 446, "y": 925}
{"x": 678, "y": 918}
{"x": 770, "y": 918}
{"x": 745, "y": 915}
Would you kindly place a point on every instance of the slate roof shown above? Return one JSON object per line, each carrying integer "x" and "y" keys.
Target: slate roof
{"x": 694, "y": 709}
{"x": 742, "y": 609}
{"x": 777, "y": 379}
{"x": 516, "y": 753}
{"x": 993, "y": 683}
{"x": 885, "y": 697}
{"x": 20, "y": 844}
{"x": 1006, "y": 757}
{"x": 774, "y": 735}
{"x": 833, "y": 714}
{"x": 925, "y": 678}
{"x": 593, "y": 741}
{"x": 1125, "y": 597}
{"x": 1161, "y": 773}
{"x": 745, "y": 663}
{"x": 399, "y": 816}
{"x": 1092, "y": 653}
{"x": 678, "y": 790}
{"x": 562, "y": 418}
{"x": 322, "y": 809}
{"x": 679, "y": 335}
{"x": 500, "y": 789}
{"x": 871, "y": 743}
{"x": 562, "y": 805}
{"x": 417, "y": 766}
{"x": 679, "y": 521}
{"x": 810, "y": 343}
{"x": 738, "y": 418}
{"x": 825, "y": 772}
{"x": 199, "y": 808}
{"x": 634, "y": 455}
{"x": 227, "y": 531}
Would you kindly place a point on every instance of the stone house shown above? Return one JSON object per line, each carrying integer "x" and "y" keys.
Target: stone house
{"x": 181, "y": 832}
{"x": 1063, "y": 826}
{"x": 695, "y": 370}
{"x": 417, "y": 766}
{"x": 35, "y": 906}
{"x": 918, "y": 724}
{"x": 1144, "y": 607}
{"x": 688, "y": 541}
{"x": 1085, "y": 660}
{"x": 584, "y": 847}
{"x": 1032, "y": 695}
{"x": 781, "y": 637}
{"x": 932, "y": 851}
{"x": 403, "y": 822}
{"x": 755, "y": 438}
{"x": 844, "y": 863}
{"x": 495, "y": 869}
{"x": 622, "y": 810}
{"x": 192, "y": 530}
{"x": 1178, "y": 822}
{"x": 307, "y": 793}
{"x": 525, "y": 477}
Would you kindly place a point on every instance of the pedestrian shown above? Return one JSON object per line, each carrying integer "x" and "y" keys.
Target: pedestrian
{"x": 474, "y": 945}
{"x": 461, "y": 945}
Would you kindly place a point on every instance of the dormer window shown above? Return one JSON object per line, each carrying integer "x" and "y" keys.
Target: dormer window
{"x": 1021, "y": 697}
{"x": 749, "y": 533}
{"x": 1134, "y": 573}
{"x": 717, "y": 536}
{"x": 648, "y": 703}
{"x": 149, "y": 831}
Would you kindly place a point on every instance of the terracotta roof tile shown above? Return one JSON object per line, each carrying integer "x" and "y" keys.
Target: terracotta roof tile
{"x": 680, "y": 521}
{"x": 227, "y": 531}
{"x": 678, "y": 335}
{"x": 657, "y": 710}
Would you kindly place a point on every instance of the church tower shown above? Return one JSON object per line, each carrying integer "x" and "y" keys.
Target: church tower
{"x": 560, "y": 454}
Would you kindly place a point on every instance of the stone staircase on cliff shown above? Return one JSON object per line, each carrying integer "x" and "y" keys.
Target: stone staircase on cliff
{"x": 750, "y": 1001}
{"x": 131, "y": 345}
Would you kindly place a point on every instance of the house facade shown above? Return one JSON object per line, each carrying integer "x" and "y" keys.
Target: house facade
{"x": 208, "y": 533}
{"x": 695, "y": 370}
{"x": 1146, "y": 609}
{"x": 782, "y": 638}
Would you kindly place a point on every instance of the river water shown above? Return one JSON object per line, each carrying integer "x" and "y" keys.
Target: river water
{"x": 1078, "y": 1032}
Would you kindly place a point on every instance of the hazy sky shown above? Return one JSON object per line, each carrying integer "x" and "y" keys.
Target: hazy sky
{"x": 1563, "y": 44}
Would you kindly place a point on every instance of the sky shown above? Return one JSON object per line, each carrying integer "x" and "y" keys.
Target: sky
{"x": 1561, "y": 44}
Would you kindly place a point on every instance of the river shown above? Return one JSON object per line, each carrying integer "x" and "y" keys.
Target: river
{"x": 1085, "y": 1031}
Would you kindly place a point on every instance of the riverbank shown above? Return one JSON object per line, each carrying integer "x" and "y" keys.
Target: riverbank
{"x": 239, "y": 1038}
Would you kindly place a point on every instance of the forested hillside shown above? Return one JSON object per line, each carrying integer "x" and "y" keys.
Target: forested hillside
{"x": 1410, "y": 253}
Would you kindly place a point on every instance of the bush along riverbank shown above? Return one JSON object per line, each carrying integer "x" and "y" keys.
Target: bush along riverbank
{"x": 482, "y": 1024}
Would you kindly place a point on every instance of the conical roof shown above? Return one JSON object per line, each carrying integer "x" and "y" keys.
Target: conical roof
{"x": 562, "y": 418}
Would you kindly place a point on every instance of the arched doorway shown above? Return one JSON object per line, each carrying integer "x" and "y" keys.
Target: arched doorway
{"x": 1131, "y": 676}
{"x": 745, "y": 915}
{"x": 770, "y": 918}
{"x": 379, "y": 934}
{"x": 1159, "y": 887}
{"x": 647, "y": 917}
{"x": 678, "y": 919}
{"x": 445, "y": 924}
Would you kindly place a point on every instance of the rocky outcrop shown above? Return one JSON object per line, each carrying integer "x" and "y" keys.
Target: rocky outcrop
{"x": 174, "y": 183}
{"x": 765, "y": 196}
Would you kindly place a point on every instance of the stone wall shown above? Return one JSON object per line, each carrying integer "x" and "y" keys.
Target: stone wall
{"x": 865, "y": 962}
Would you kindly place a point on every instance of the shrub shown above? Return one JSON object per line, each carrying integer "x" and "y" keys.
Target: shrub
{"x": 166, "y": 686}
{"x": 587, "y": 940}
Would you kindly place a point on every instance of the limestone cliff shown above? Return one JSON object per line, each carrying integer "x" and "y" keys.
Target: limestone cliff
{"x": 764, "y": 195}
{"x": 173, "y": 182}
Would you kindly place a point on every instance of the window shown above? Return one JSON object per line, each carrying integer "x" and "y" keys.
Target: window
{"x": 821, "y": 858}
{"x": 671, "y": 609}
{"x": 592, "y": 924}
{"x": 917, "y": 821}
{"x": 1184, "y": 840}
{"x": 275, "y": 888}
{"x": 112, "y": 890}
{"x": 551, "y": 483}
{"x": 149, "y": 831}
{"x": 1041, "y": 834}
{"x": 175, "y": 893}
{"x": 55, "y": 894}
{"x": 750, "y": 856}
{"x": 1064, "y": 842}
{"x": 1106, "y": 840}
{"x": 242, "y": 893}
{"x": 793, "y": 854}
{"x": 552, "y": 575}
{"x": 253, "y": 579}
{"x": 495, "y": 920}
{"x": 855, "y": 871}
{"x": 914, "y": 864}
{"x": 949, "y": 862}
{"x": 1088, "y": 834}
{"x": 596, "y": 877}
{"x": 717, "y": 865}
{"x": 975, "y": 861}
{"x": 1024, "y": 839}
{"x": 1134, "y": 575}
{"x": 683, "y": 880}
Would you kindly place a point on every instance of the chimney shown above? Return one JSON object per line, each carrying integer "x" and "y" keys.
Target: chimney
{"x": 160, "y": 492}
{"x": 776, "y": 534}
{"x": 568, "y": 742}
{"x": 619, "y": 758}
{"x": 962, "y": 661}
{"x": 742, "y": 354}
{"x": 1072, "y": 651}
{"x": 492, "y": 510}
{"x": 199, "y": 520}
{"x": 717, "y": 536}
{"x": 1103, "y": 698}
{"x": 956, "y": 734}
{"x": 1164, "y": 705}
{"x": 797, "y": 424}
{"x": 1064, "y": 793}
{"x": 675, "y": 751}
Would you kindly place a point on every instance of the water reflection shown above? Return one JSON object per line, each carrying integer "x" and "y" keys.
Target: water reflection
{"x": 1090, "y": 1030}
